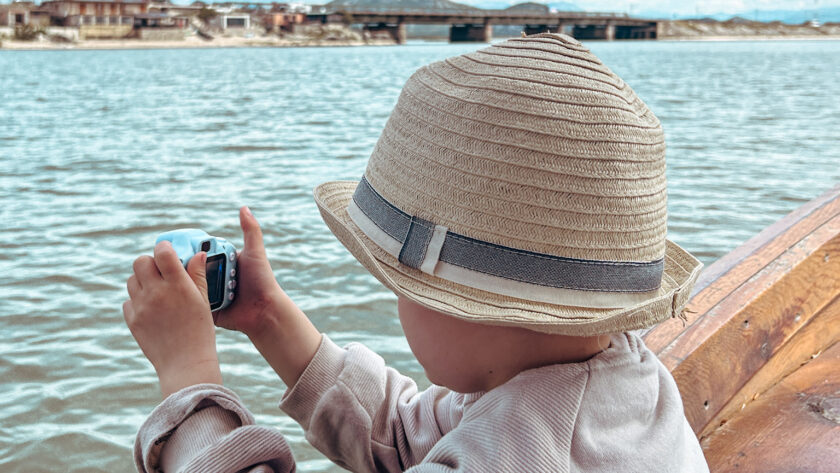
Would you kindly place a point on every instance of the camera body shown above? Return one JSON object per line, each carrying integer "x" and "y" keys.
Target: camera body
{"x": 221, "y": 261}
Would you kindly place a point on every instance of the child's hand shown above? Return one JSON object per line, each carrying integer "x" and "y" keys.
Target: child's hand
{"x": 168, "y": 314}
{"x": 258, "y": 293}
{"x": 277, "y": 327}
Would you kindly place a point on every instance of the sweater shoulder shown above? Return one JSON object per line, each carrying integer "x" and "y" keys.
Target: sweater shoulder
{"x": 631, "y": 417}
{"x": 527, "y": 424}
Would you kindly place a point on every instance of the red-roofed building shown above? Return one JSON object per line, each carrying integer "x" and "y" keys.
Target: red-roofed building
{"x": 94, "y": 12}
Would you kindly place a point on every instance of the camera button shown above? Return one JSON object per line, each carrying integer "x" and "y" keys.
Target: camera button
{"x": 230, "y": 296}
{"x": 231, "y": 256}
{"x": 233, "y": 272}
{"x": 231, "y": 284}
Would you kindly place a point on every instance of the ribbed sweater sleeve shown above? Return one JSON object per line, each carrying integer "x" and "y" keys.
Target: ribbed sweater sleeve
{"x": 596, "y": 416}
{"x": 205, "y": 428}
{"x": 364, "y": 416}
{"x": 619, "y": 411}
{"x": 196, "y": 432}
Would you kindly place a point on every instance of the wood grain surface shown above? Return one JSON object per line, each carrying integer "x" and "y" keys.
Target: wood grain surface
{"x": 730, "y": 272}
{"x": 793, "y": 427}
{"x": 812, "y": 339}
{"x": 758, "y": 321}
{"x": 715, "y": 357}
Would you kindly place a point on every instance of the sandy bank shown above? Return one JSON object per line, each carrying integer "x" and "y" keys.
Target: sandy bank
{"x": 753, "y": 38}
{"x": 740, "y": 29}
{"x": 191, "y": 43}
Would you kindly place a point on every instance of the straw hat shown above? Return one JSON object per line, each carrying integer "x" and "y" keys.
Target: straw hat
{"x": 520, "y": 185}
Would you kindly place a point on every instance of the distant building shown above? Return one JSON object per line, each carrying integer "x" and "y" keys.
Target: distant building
{"x": 295, "y": 7}
{"x": 229, "y": 16}
{"x": 283, "y": 16}
{"x": 159, "y": 26}
{"x": 176, "y": 10}
{"x": 94, "y": 12}
{"x": 159, "y": 20}
{"x": 15, "y": 14}
{"x": 234, "y": 20}
{"x": 274, "y": 21}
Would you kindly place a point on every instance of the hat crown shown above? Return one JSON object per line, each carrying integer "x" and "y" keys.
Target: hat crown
{"x": 533, "y": 144}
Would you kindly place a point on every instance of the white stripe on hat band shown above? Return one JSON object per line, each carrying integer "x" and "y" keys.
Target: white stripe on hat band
{"x": 490, "y": 283}
{"x": 433, "y": 250}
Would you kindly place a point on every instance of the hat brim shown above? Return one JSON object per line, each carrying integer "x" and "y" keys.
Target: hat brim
{"x": 474, "y": 305}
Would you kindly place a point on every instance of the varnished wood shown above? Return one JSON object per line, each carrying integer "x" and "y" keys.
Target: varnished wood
{"x": 757, "y": 318}
{"x": 793, "y": 427}
{"x": 715, "y": 357}
{"x": 822, "y": 331}
{"x": 729, "y": 273}
{"x": 791, "y": 228}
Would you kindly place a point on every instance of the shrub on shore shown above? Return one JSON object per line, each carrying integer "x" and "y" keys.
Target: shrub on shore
{"x": 27, "y": 32}
{"x": 207, "y": 14}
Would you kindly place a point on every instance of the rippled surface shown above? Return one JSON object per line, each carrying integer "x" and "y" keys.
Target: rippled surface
{"x": 102, "y": 150}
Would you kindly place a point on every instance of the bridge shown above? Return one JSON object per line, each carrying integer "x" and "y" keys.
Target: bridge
{"x": 476, "y": 24}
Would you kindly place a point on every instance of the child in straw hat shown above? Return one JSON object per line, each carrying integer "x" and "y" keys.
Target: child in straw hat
{"x": 516, "y": 204}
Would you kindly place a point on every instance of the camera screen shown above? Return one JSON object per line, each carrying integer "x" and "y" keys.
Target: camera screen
{"x": 216, "y": 280}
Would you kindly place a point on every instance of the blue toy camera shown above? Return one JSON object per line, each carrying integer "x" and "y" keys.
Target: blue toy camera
{"x": 221, "y": 261}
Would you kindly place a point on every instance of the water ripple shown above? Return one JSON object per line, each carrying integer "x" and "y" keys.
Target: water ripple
{"x": 106, "y": 149}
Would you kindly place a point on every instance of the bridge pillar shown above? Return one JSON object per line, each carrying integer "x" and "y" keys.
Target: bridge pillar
{"x": 399, "y": 34}
{"x": 535, "y": 29}
{"x": 594, "y": 32}
{"x": 395, "y": 31}
{"x": 471, "y": 32}
{"x": 565, "y": 29}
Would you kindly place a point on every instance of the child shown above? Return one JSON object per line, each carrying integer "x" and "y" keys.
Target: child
{"x": 516, "y": 204}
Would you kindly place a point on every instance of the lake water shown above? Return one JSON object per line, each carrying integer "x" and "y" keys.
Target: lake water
{"x": 102, "y": 150}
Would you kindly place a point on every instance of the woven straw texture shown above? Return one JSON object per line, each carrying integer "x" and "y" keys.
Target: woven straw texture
{"x": 533, "y": 144}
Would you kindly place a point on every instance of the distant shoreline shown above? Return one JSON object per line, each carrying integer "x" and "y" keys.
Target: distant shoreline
{"x": 268, "y": 42}
{"x": 740, "y": 29}
{"x": 730, "y": 38}
{"x": 189, "y": 43}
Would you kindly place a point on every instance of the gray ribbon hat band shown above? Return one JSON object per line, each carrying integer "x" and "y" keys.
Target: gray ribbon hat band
{"x": 418, "y": 238}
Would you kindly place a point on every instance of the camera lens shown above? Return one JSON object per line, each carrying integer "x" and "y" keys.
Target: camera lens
{"x": 205, "y": 245}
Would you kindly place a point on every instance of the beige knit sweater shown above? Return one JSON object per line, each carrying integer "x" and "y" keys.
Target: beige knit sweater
{"x": 619, "y": 411}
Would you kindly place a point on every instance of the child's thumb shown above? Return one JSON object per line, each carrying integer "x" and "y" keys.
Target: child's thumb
{"x": 251, "y": 232}
{"x": 197, "y": 269}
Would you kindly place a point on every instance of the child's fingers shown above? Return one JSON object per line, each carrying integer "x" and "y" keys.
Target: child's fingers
{"x": 128, "y": 312}
{"x": 197, "y": 269}
{"x": 167, "y": 260}
{"x": 133, "y": 286}
{"x": 251, "y": 232}
{"x": 146, "y": 270}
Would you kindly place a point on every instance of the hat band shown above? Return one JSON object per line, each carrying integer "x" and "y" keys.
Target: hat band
{"x": 433, "y": 249}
